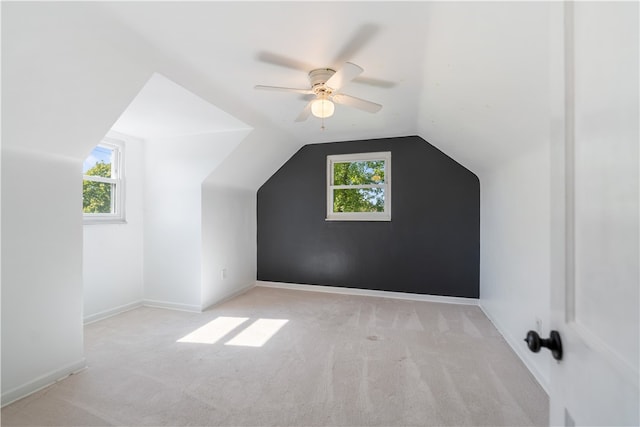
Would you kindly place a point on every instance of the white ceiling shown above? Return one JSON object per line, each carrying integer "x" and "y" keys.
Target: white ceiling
{"x": 469, "y": 77}
{"x": 163, "y": 109}
{"x": 235, "y": 45}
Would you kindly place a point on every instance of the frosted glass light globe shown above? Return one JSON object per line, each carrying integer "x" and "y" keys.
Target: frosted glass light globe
{"x": 322, "y": 108}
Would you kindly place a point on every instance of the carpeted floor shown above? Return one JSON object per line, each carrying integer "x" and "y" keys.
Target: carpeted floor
{"x": 332, "y": 360}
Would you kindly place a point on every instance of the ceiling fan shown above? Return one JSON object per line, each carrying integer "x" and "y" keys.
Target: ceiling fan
{"x": 325, "y": 86}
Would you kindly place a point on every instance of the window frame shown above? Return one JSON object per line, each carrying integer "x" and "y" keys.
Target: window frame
{"x": 386, "y": 186}
{"x": 117, "y": 179}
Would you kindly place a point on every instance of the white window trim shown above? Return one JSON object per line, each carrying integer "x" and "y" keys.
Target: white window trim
{"x": 117, "y": 170}
{"x": 359, "y": 216}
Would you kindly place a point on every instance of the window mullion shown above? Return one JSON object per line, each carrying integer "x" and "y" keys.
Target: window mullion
{"x": 343, "y": 187}
{"x": 100, "y": 179}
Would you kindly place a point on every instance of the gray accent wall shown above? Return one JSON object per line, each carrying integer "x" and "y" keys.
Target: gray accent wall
{"x": 430, "y": 246}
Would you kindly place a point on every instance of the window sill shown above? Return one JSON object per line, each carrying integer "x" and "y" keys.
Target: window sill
{"x": 359, "y": 218}
{"x": 96, "y": 221}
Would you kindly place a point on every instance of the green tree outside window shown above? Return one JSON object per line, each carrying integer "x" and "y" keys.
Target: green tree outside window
{"x": 358, "y": 199}
{"x": 97, "y": 195}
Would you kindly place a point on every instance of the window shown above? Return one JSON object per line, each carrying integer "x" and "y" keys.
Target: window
{"x": 359, "y": 187}
{"x": 103, "y": 185}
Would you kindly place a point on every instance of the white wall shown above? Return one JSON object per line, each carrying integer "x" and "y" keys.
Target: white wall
{"x": 67, "y": 73}
{"x": 229, "y": 212}
{"x": 514, "y": 251}
{"x": 485, "y": 102}
{"x": 41, "y": 270}
{"x": 174, "y": 171}
{"x": 112, "y": 253}
{"x": 228, "y": 242}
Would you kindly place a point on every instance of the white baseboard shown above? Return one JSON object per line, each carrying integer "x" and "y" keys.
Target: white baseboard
{"x": 519, "y": 350}
{"x": 369, "y": 292}
{"x": 229, "y": 296}
{"x": 41, "y": 382}
{"x": 112, "y": 312}
{"x": 172, "y": 305}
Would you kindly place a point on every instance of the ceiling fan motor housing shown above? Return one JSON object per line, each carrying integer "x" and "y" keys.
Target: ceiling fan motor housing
{"x": 318, "y": 78}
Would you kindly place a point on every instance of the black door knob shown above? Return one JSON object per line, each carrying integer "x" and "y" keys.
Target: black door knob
{"x": 553, "y": 343}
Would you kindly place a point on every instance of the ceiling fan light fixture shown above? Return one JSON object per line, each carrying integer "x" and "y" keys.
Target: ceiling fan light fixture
{"x": 325, "y": 84}
{"x": 322, "y": 108}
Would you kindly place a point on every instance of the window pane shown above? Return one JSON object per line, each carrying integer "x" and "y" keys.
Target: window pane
{"x": 358, "y": 173}
{"x": 97, "y": 197}
{"x": 99, "y": 162}
{"x": 358, "y": 200}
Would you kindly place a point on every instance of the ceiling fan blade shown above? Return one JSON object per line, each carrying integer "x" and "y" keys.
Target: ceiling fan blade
{"x": 374, "y": 82}
{"x": 285, "y": 89}
{"x": 362, "y": 36}
{"x": 283, "y": 61}
{"x": 305, "y": 113}
{"x": 344, "y": 75}
{"x": 352, "y": 101}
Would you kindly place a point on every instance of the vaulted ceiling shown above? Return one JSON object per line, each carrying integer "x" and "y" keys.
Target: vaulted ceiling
{"x": 469, "y": 77}
{"x": 237, "y": 45}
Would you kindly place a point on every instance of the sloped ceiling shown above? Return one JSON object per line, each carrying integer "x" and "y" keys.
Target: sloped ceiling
{"x": 237, "y": 45}
{"x": 163, "y": 109}
{"x": 469, "y": 77}
{"x": 485, "y": 93}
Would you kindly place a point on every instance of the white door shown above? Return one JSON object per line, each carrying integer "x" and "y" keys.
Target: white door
{"x": 595, "y": 213}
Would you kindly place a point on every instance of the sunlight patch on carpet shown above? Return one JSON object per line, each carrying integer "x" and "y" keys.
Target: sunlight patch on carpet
{"x": 258, "y": 333}
{"x": 214, "y": 330}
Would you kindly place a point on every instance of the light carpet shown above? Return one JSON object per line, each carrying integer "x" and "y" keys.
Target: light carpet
{"x": 333, "y": 360}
